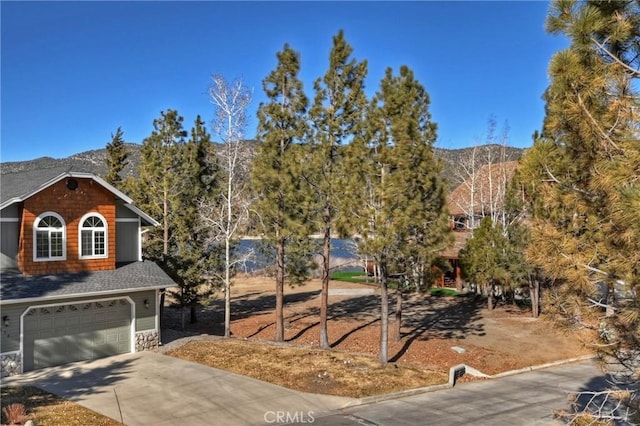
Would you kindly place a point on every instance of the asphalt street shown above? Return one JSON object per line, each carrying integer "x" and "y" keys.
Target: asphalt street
{"x": 522, "y": 399}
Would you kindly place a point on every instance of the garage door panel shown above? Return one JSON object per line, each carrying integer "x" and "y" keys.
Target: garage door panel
{"x": 74, "y": 321}
{"x": 50, "y": 351}
{"x": 77, "y": 332}
{"x": 45, "y": 324}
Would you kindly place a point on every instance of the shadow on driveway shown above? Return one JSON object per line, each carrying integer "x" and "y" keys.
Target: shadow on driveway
{"x": 155, "y": 389}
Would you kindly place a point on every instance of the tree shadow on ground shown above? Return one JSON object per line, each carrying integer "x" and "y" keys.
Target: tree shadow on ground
{"x": 303, "y": 330}
{"x": 355, "y": 308}
{"x": 423, "y": 317}
{"x": 440, "y": 318}
{"x": 244, "y": 306}
{"x": 76, "y": 380}
{"x": 358, "y": 308}
{"x": 354, "y": 330}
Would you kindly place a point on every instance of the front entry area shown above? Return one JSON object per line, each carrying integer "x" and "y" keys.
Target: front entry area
{"x": 64, "y": 333}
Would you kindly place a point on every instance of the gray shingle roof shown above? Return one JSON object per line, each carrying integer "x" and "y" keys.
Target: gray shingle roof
{"x": 18, "y": 184}
{"x": 143, "y": 275}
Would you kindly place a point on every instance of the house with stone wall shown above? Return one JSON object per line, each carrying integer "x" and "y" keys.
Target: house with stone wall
{"x": 74, "y": 285}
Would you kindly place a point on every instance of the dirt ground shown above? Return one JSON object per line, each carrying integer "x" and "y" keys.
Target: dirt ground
{"x": 491, "y": 341}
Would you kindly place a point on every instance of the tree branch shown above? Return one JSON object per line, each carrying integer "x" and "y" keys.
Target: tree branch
{"x": 595, "y": 123}
{"x": 632, "y": 71}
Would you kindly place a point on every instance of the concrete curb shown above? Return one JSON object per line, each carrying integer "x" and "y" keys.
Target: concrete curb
{"x": 394, "y": 395}
{"x": 456, "y": 372}
{"x": 542, "y": 366}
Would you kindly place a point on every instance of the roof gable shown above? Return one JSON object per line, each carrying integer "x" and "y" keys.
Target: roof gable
{"x": 487, "y": 187}
{"x": 17, "y": 187}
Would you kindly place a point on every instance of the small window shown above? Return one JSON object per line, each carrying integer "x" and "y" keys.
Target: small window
{"x": 49, "y": 237}
{"x": 93, "y": 237}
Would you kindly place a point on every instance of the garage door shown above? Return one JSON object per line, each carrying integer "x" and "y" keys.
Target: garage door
{"x": 60, "y": 334}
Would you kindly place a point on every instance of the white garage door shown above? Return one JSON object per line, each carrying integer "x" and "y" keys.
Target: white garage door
{"x": 60, "y": 334}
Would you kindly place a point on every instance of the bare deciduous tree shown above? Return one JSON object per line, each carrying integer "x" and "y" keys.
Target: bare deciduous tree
{"x": 483, "y": 174}
{"x": 226, "y": 215}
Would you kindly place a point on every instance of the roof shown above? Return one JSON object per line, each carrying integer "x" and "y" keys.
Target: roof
{"x": 460, "y": 239}
{"x": 18, "y": 186}
{"x": 486, "y": 186}
{"x": 136, "y": 276}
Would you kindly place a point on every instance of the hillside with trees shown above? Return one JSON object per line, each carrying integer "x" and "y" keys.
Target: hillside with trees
{"x": 95, "y": 161}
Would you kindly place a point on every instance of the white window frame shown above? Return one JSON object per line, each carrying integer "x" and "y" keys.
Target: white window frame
{"x": 93, "y": 241}
{"x": 35, "y": 238}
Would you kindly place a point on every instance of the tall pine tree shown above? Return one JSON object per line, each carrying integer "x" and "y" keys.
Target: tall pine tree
{"x": 160, "y": 180}
{"x": 337, "y": 116}
{"x": 116, "y": 158}
{"x": 276, "y": 173}
{"x": 582, "y": 176}
{"x": 157, "y": 188}
{"x": 191, "y": 255}
{"x": 402, "y": 213}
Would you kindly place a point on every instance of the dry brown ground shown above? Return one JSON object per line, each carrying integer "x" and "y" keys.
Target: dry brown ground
{"x": 495, "y": 341}
{"x": 308, "y": 369}
{"x": 46, "y": 409}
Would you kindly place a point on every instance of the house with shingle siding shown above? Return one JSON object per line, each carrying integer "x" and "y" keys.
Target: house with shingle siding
{"x": 73, "y": 283}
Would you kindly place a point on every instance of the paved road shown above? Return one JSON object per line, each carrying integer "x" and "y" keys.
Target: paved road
{"x": 154, "y": 389}
{"x": 522, "y": 399}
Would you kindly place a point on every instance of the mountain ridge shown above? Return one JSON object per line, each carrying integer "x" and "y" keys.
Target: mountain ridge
{"x": 94, "y": 161}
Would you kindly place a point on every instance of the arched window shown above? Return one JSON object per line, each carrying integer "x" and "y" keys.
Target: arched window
{"x": 49, "y": 237}
{"x": 93, "y": 236}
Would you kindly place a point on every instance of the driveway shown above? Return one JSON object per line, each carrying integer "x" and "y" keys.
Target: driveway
{"x": 155, "y": 389}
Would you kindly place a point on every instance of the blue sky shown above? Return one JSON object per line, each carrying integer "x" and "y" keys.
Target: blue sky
{"x": 72, "y": 72}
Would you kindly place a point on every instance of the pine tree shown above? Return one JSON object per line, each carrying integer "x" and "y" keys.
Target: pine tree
{"x": 582, "y": 176}
{"x": 191, "y": 255}
{"x": 483, "y": 259}
{"x": 159, "y": 182}
{"x": 402, "y": 208}
{"x": 515, "y": 229}
{"x": 494, "y": 258}
{"x": 116, "y": 158}
{"x": 157, "y": 188}
{"x": 337, "y": 115}
{"x": 276, "y": 175}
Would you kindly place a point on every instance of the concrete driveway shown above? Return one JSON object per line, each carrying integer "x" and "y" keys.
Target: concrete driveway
{"x": 155, "y": 389}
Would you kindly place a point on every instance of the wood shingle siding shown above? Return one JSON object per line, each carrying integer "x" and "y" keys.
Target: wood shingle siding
{"x": 72, "y": 205}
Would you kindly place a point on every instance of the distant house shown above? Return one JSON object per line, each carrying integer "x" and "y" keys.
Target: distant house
{"x": 74, "y": 285}
{"x": 479, "y": 196}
